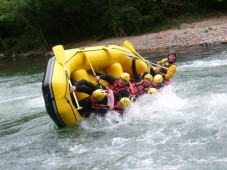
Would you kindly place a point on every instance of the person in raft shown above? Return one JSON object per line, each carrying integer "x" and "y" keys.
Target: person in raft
{"x": 121, "y": 85}
{"x": 122, "y": 105}
{"x": 158, "y": 82}
{"x": 152, "y": 90}
{"x": 99, "y": 100}
{"x": 170, "y": 67}
{"x": 140, "y": 85}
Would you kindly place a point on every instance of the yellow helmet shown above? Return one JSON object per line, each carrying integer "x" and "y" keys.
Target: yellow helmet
{"x": 125, "y": 101}
{"x": 158, "y": 78}
{"x": 148, "y": 76}
{"x": 152, "y": 90}
{"x": 99, "y": 94}
{"x": 125, "y": 76}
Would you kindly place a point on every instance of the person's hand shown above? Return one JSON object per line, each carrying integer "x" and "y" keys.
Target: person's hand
{"x": 134, "y": 57}
{"x": 97, "y": 78}
{"x": 132, "y": 98}
{"x": 73, "y": 88}
{"x": 158, "y": 70}
{"x": 149, "y": 65}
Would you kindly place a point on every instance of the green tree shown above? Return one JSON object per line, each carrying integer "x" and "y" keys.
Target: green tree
{"x": 40, "y": 24}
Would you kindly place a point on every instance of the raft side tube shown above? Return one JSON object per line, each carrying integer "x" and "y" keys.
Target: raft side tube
{"x": 61, "y": 90}
{"x": 48, "y": 96}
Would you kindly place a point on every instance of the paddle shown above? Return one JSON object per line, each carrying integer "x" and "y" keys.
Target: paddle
{"x": 131, "y": 48}
{"x": 61, "y": 59}
{"x": 92, "y": 69}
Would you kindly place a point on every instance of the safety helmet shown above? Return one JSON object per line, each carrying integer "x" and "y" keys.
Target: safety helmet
{"x": 125, "y": 101}
{"x": 99, "y": 94}
{"x": 172, "y": 52}
{"x": 152, "y": 90}
{"x": 125, "y": 76}
{"x": 148, "y": 76}
{"x": 158, "y": 78}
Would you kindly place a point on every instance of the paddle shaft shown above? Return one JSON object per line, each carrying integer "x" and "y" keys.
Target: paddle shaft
{"x": 92, "y": 69}
{"x": 77, "y": 103}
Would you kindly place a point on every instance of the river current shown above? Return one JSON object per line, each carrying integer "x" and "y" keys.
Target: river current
{"x": 183, "y": 127}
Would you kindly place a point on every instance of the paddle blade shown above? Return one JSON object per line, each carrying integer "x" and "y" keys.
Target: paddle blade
{"x": 129, "y": 46}
{"x": 79, "y": 108}
{"x": 59, "y": 53}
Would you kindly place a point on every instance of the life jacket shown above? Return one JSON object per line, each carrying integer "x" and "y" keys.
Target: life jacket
{"x": 115, "y": 87}
{"x": 164, "y": 62}
{"x": 110, "y": 101}
{"x": 139, "y": 88}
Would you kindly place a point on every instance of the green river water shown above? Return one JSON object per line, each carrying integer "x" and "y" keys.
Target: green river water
{"x": 185, "y": 127}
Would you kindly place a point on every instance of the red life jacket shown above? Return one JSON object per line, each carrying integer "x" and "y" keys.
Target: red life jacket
{"x": 110, "y": 101}
{"x": 115, "y": 87}
{"x": 139, "y": 88}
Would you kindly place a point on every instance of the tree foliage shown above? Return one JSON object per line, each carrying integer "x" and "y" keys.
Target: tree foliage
{"x": 27, "y": 24}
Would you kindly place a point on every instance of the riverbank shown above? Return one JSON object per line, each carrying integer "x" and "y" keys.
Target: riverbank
{"x": 201, "y": 33}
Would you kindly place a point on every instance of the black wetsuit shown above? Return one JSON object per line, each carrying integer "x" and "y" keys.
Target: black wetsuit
{"x": 137, "y": 77}
{"x": 87, "y": 87}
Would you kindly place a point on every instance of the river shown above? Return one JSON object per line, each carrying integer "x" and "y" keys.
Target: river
{"x": 184, "y": 127}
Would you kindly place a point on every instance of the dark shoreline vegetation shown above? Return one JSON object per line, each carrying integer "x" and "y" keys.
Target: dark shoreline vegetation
{"x": 32, "y": 27}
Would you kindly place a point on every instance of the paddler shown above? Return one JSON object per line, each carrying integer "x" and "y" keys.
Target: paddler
{"x": 158, "y": 81}
{"x": 122, "y": 105}
{"x": 140, "y": 85}
{"x": 170, "y": 68}
{"x": 99, "y": 100}
{"x": 121, "y": 85}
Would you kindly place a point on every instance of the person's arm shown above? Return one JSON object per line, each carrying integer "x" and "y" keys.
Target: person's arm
{"x": 152, "y": 72}
{"x": 84, "y": 86}
{"x": 170, "y": 72}
{"x": 109, "y": 78}
{"x": 160, "y": 70}
{"x": 134, "y": 72}
{"x": 88, "y": 84}
{"x": 84, "y": 89}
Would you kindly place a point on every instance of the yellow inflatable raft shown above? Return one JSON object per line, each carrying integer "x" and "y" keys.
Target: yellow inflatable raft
{"x": 77, "y": 64}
